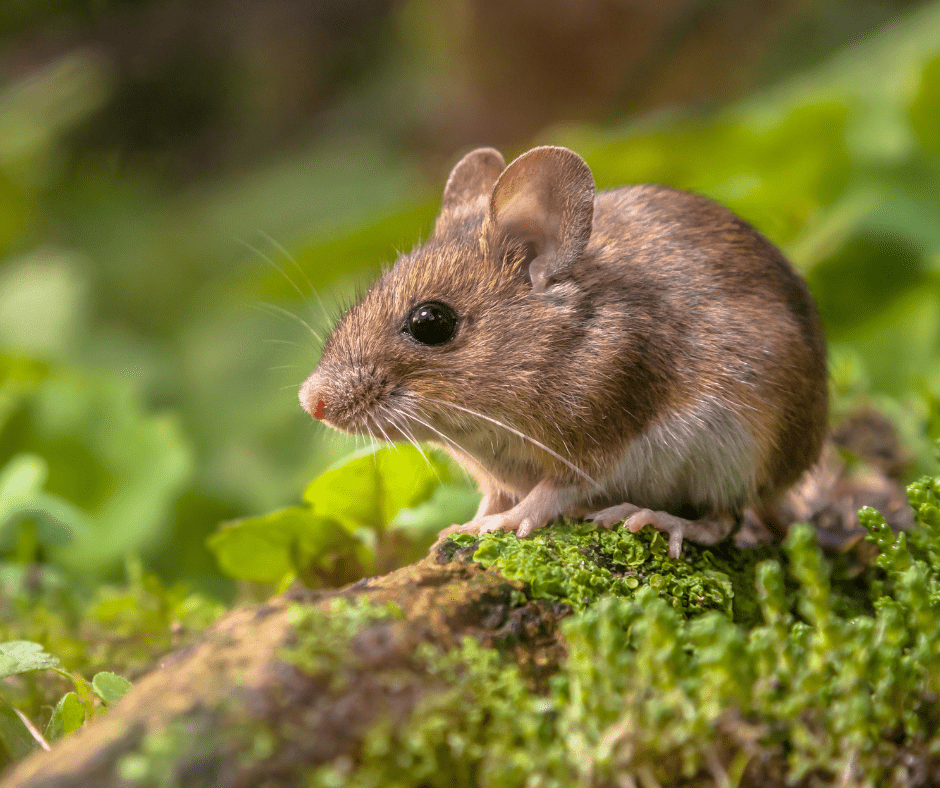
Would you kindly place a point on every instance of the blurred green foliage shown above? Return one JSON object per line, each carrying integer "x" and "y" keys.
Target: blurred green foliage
{"x": 88, "y": 475}
{"x": 153, "y": 337}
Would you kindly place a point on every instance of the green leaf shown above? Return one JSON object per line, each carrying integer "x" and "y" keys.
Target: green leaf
{"x": 18, "y": 377}
{"x": 925, "y": 109}
{"x": 85, "y": 693}
{"x": 43, "y": 301}
{"x": 110, "y": 687}
{"x": 67, "y": 717}
{"x": 350, "y": 507}
{"x": 369, "y": 490}
{"x": 22, "y": 656}
{"x": 265, "y": 549}
{"x": 42, "y": 518}
{"x": 854, "y": 285}
{"x": 16, "y": 742}
{"x": 449, "y": 503}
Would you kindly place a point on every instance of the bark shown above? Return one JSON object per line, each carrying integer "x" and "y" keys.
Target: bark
{"x": 234, "y": 684}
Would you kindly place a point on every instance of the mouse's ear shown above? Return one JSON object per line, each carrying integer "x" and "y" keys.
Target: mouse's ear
{"x": 543, "y": 203}
{"x": 472, "y": 178}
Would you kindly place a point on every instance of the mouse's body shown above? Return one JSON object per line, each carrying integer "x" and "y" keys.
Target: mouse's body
{"x": 641, "y": 353}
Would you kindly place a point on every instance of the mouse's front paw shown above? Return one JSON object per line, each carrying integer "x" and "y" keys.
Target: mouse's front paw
{"x": 507, "y": 521}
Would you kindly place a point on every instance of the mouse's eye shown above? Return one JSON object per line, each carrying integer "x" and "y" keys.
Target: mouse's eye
{"x": 432, "y": 323}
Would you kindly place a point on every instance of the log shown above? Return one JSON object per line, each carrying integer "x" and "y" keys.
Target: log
{"x": 235, "y": 682}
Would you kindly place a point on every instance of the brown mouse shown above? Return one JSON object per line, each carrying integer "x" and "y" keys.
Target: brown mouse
{"x": 640, "y": 353}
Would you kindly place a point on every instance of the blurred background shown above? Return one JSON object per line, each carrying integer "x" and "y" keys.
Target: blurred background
{"x": 186, "y": 189}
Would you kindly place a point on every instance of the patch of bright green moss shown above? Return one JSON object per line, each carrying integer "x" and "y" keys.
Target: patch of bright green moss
{"x": 650, "y": 696}
{"x": 577, "y": 563}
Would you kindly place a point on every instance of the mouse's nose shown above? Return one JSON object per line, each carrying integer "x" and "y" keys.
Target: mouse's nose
{"x": 313, "y": 397}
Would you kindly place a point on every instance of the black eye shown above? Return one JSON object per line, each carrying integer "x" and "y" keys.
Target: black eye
{"x": 432, "y": 323}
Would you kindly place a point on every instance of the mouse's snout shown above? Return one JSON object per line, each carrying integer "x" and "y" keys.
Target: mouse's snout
{"x": 347, "y": 400}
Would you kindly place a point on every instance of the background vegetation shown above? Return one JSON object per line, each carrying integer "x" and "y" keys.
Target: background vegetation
{"x": 184, "y": 189}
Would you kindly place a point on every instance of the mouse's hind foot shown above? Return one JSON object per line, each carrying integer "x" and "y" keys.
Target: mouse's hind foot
{"x": 707, "y": 530}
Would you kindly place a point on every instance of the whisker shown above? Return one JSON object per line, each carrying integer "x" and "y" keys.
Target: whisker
{"x": 440, "y": 434}
{"x": 303, "y": 273}
{"x": 414, "y": 442}
{"x": 278, "y": 268}
{"x": 287, "y": 313}
{"x": 384, "y": 433}
{"x": 518, "y": 433}
{"x": 404, "y": 430}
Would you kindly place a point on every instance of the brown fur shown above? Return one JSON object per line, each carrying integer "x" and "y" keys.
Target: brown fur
{"x": 583, "y": 333}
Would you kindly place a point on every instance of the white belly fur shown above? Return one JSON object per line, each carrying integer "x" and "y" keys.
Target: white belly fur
{"x": 704, "y": 455}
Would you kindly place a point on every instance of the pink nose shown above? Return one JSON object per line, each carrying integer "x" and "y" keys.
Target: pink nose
{"x": 313, "y": 397}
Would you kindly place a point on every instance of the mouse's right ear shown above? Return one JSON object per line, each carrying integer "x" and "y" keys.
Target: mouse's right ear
{"x": 473, "y": 177}
{"x": 543, "y": 205}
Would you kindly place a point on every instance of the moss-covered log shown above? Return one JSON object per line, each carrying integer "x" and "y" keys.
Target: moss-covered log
{"x": 270, "y": 693}
{"x": 575, "y": 657}
{"x": 235, "y": 709}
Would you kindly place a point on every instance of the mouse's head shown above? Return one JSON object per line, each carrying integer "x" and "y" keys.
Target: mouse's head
{"x": 469, "y": 320}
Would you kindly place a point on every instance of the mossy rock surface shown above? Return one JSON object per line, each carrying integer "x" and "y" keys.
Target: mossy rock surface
{"x": 577, "y": 657}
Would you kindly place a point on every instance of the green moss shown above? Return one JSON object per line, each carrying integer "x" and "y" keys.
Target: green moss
{"x": 322, "y": 635}
{"x": 196, "y": 751}
{"x": 577, "y": 563}
{"x": 651, "y": 695}
{"x": 477, "y": 726}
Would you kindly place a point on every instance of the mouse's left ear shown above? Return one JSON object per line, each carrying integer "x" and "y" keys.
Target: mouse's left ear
{"x": 471, "y": 179}
{"x": 543, "y": 203}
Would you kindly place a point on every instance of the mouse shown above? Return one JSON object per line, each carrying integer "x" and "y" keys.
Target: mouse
{"x": 639, "y": 355}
